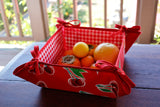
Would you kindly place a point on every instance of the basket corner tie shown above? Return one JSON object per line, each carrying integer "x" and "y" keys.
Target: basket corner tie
{"x": 33, "y": 64}
{"x": 62, "y": 22}
{"x": 124, "y": 28}
{"x": 104, "y": 65}
{"x": 121, "y": 27}
{"x": 35, "y": 52}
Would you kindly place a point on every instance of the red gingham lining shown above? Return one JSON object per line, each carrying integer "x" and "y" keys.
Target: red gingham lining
{"x": 92, "y": 36}
{"x": 66, "y": 37}
{"x": 53, "y": 49}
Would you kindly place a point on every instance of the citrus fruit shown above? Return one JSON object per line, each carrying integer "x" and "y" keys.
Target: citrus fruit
{"x": 68, "y": 52}
{"x": 107, "y": 52}
{"x": 69, "y": 60}
{"x": 93, "y": 66}
{"x": 87, "y": 61}
{"x": 80, "y": 49}
{"x": 91, "y": 49}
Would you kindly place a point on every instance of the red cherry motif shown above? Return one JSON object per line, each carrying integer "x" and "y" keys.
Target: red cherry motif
{"x": 73, "y": 82}
{"x": 77, "y": 82}
{"x": 76, "y": 79}
{"x": 41, "y": 68}
{"x": 41, "y": 84}
{"x": 49, "y": 69}
{"x": 30, "y": 68}
{"x": 32, "y": 71}
{"x": 114, "y": 86}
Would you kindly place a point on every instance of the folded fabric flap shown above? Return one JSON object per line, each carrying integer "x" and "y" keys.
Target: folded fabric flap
{"x": 126, "y": 83}
{"x": 129, "y": 81}
{"x": 18, "y": 69}
{"x": 29, "y": 66}
{"x": 131, "y": 34}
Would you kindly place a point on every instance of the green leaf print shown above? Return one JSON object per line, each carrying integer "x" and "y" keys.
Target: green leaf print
{"x": 84, "y": 92}
{"x": 81, "y": 70}
{"x": 105, "y": 90}
{"x": 100, "y": 85}
{"x": 112, "y": 87}
{"x": 77, "y": 72}
{"x": 104, "y": 87}
{"x": 119, "y": 64}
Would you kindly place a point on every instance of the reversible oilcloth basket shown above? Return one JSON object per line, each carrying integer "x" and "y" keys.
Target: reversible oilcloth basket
{"x": 109, "y": 80}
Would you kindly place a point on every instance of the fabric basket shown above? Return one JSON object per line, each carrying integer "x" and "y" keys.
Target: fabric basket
{"x": 109, "y": 81}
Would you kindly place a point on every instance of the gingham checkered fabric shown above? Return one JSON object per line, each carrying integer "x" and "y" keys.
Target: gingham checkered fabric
{"x": 66, "y": 37}
{"x": 92, "y": 36}
{"x": 53, "y": 49}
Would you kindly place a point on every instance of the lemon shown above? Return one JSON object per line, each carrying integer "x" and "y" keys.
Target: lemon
{"x": 80, "y": 49}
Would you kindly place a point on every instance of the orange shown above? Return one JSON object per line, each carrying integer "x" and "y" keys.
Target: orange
{"x": 68, "y": 52}
{"x": 69, "y": 60}
{"x": 93, "y": 66}
{"x": 87, "y": 61}
{"x": 91, "y": 48}
{"x": 80, "y": 49}
{"x": 106, "y": 51}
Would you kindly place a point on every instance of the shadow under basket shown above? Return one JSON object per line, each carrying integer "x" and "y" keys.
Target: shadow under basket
{"x": 109, "y": 81}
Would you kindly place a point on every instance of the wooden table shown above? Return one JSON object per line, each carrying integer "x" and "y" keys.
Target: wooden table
{"x": 142, "y": 65}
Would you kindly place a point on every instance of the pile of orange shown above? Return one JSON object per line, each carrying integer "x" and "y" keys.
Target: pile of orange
{"x": 85, "y": 55}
